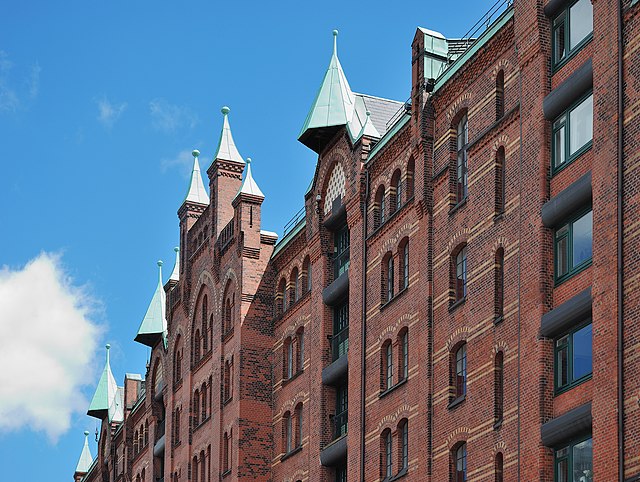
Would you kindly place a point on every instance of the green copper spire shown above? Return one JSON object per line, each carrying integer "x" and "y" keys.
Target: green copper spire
{"x": 368, "y": 129}
{"x": 154, "y": 324}
{"x": 105, "y": 392}
{"x": 332, "y": 107}
{"x": 227, "y": 150}
{"x": 175, "y": 274}
{"x": 249, "y": 186}
{"x": 86, "y": 459}
{"x": 196, "y": 192}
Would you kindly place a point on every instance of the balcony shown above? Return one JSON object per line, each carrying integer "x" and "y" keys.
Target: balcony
{"x": 335, "y": 453}
{"x": 337, "y": 370}
{"x": 337, "y": 290}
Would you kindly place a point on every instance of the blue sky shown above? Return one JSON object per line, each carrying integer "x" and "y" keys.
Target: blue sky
{"x": 100, "y": 106}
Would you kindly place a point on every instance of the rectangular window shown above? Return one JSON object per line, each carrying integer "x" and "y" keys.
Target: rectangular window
{"x": 405, "y": 266}
{"x": 388, "y": 454}
{"x": 573, "y": 246}
{"x": 404, "y": 461}
{"x": 341, "y": 248}
{"x": 342, "y": 405}
{"x": 461, "y": 164}
{"x": 572, "y": 28}
{"x": 572, "y": 132}
{"x": 574, "y": 462}
{"x": 405, "y": 355}
{"x": 574, "y": 357}
{"x": 290, "y": 359}
{"x": 389, "y": 356}
{"x": 340, "y": 337}
{"x": 390, "y": 276}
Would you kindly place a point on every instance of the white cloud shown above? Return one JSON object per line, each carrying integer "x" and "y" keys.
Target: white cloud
{"x": 183, "y": 162}
{"x": 46, "y": 344}
{"x": 11, "y": 97}
{"x": 109, "y": 112}
{"x": 168, "y": 117}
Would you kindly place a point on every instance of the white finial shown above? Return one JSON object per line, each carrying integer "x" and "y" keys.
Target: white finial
{"x": 335, "y": 42}
{"x": 160, "y": 263}
{"x": 225, "y": 110}
{"x": 176, "y": 249}
{"x": 248, "y": 160}
{"x": 86, "y": 433}
{"x": 195, "y": 153}
{"x": 108, "y": 347}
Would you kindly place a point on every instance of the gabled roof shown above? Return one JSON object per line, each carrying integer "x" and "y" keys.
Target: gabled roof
{"x": 105, "y": 392}
{"x": 154, "y": 323}
{"x": 86, "y": 459}
{"x": 249, "y": 186}
{"x": 227, "y": 149}
{"x": 196, "y": 192}
{"x": 175, "y": 274}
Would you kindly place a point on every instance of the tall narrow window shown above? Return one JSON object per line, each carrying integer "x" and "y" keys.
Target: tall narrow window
{"x": 340, "y": 337}
{"x": 403, "y": 436}
{"x": 306, "y": 275}
{"x": 410, "y": 171}
{"x": 195, "y": 468}
{"x": 298, "y": 434}
{"x": 378, "y": 208}
{"x": 387, "y": 439}
{"x": 460, "y": 365}
{"x": 460, "y": 280}
{"x": 389, "y": 362}
{"x": 205, "y": 315}
{"x": 288, "y": 442}
{"x": 500, "y": 95}
{"x": 300, "y": 355}
{"x": 226, "y": 453}
{"x": 574, "y": 462}
{"x": 196, "y": 347}
{"x": 460, "y": 463}
{"x": 295, "y": 286}
{"x": 574, "y": 357}
{"x": 390, "y": 278}
{"x": 196, "y": 408}
{"x": 404, "y": 267}
{"x": 500, "y": 181}
{"x": 462, "y": 162}
{"x": 573, "y": 245}
{"x": 403, "y": 371}
{"x": 499, "y": 467}
{"x": 289, "y": 357}
{"x": 341, "y": 244}
{"x": 499, "y": 285}
{"x": 395, "y": 197}
{"x": 498, "y": 373}
{"x": 203, "y": 392}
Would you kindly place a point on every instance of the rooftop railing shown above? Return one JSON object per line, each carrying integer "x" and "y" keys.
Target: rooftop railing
{"x": 293, "y": 222}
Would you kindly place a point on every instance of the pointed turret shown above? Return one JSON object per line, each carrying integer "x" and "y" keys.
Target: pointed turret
{"x": 154, "y": 324}
{"x": 368, "y": 129}
{"x": 105, "y": 392}
{"x": 175, "y": 274}
{"x": 85, "y": 461}
{"x": 249, "y": 186}
{"x": 332, "y": 108}
{"x": 227, "y": 150}
{"x": 196, "y": 192}
{"x": 225, "y": 176}
{"x": 248, "y": 205}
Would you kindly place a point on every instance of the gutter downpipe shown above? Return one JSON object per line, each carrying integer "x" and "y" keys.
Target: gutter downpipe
{"x": 620, "y": 249}
{"x": 519, "y": 266}
{"x": 363, "y": 330}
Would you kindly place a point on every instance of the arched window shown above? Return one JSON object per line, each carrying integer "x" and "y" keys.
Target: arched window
{"x": 136, "y": 447}
{"x": 459, "y": 370}
{"x": 205, "y": 315}
{"x": 499, "y": 468}
{"x": 226, "y": 453}
{"x": 141, "y": 443}
{"x": 386, "y": 366}
{"x": 306, "y": 275}
{"x": 228, "y": 380}
{"x": 176, "y": 426}
{"x": 403, "y": 440}
{"x": 387, "y": 280}
{"x": 403, "y": 253}
{"x": 462, "y": 175}
{"x": 395, "y": 196}
{"x": 411, "y": 167}
{"x": 298, "y": 423}
{"x": 228, "y": 309}
{"x": 195, "y": 468}
{"x": 459, "y": 463}
{"x": 300, "y": 346}
{"x": 196, "y": 347}
{"x": 500, "y": 171}
{"x": 196, "y": 408}
{"x": 498, "y": 373}
{"x": 177, "y": 360}
{"x": 203, "y": 392}
{"x": 459, "y": 273}
{"x": 386, "y": 442}
{"x": 288, "y": 358}
{"x": 287, "y": 431}
{"x": 498, "y": 274}
{"x": 403, "y": 355}
{"x": 146, "y": 432}
{"x": 295, "y": 286}
{"x": 378, "y": 208}
{"x": 500, "y": 95}
{"x": 281, "y": 297}
{"x": 203, "y": 467}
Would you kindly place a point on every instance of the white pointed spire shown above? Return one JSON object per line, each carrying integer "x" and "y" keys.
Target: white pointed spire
{"x": 368, "y": 129}
{"x": 175, "y": 274}
{"x": 86, "y": 459}
{"x": 227, "y": 149}
{"x": 335, "y": 101}
{"x": 196, "y": 192}
{"x": 249, "y": 186}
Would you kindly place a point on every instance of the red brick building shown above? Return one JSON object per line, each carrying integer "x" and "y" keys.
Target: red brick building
{"x": 458, "y": 299}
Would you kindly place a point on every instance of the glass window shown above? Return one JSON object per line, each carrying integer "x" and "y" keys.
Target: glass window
{"x": 461, "y": 275}
{"x": 573, "y": 132}
{"x": 404, "y": 439}
{"x": 573, "y": 245}
{"x": 340, "y": 337}
{"x": 389, "y": 361}
{"x": 405, "y": 355}
{"x": 461, "y": 463}
{"x": 574, "y": 462}
{"x": 571, "y": 29}
{"x": 461, "y": 165}
{"x": 341, "y": 247}
{"x": 388, "y": 454}
{"x": 390, "y": 276}
{"x": 461, "y": 371}
{"x": 573, "y": 357}
{"x": 289, "y": 358}
{"x": 405, "y": 265}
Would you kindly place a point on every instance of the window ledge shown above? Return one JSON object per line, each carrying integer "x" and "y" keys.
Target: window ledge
{"x": 177, "y": 385}
{"x": 396, "y": 296}
{"x": 583, "y": 43}
{"x": 196, "y": 366}
{"x": 498, "y": 424}
{"x": 225, "y": 473}
{"x": 498, "y": 319}
{"x": 391, "y": 217}
{"x": 498, "y": 216}
{"x": 177, "y": 444}
{"x": 202, "y": 422}
{"x": 571, "y": 274}
{"x": 286, "y": 380}
{"x": 574, "y": 384}
{"x": 226, "y": 336}
{"x": 457, "y": 401}
{"x": 455, "y": 305}
{"x": 384, "y": 393}
{"x": 454, "y": 209}
{"x": 399, "y": 475}
{"x": 226, "y": 402}
{"x": 291, "y": 453}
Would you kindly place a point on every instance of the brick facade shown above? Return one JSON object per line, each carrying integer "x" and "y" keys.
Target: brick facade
{"x": 447, "y": 357}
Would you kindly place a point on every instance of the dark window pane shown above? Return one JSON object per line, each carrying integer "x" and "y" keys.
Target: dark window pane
{"x": 562, "y": 361}
{"x": 582, "y": 352}
{"x": 558, "y": 144}
{"x": 559, "y": 38}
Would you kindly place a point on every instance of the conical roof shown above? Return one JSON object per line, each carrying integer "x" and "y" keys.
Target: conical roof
{"x": 368, "y": 129}
{"x": 249, "y": 186}
{"x": 154, "y": 323}
{"x": 196, "y": 192}
{"x": 86, "y": 459}
{"x": 227, "y": 149}
{"x": 105, "y": 392}
{"x": 334, "y": 102}
{"x": 175, "y": 274}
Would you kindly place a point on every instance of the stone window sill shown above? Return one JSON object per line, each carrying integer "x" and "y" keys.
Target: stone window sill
{"x": 457, "y": 401}
{"x": 384, "y": 393}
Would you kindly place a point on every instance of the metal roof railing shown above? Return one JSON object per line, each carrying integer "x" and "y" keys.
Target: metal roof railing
{"x": 293, "y": 222}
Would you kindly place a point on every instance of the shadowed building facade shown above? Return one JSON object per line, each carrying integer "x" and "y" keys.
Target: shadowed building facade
{"x": 457, "y": 300}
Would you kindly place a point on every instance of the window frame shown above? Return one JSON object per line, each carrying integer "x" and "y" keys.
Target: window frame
{"x": 571, "y": 270}
{"x": 577, "y": 381}
{"x": 462, "y": 160}
{"x": 568, "y": 157}
{"x": 460, "y": 454}
{"x": 569, "y": 53}
{"x": 460, "y": 374}
{"x": 569, "y": 457}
